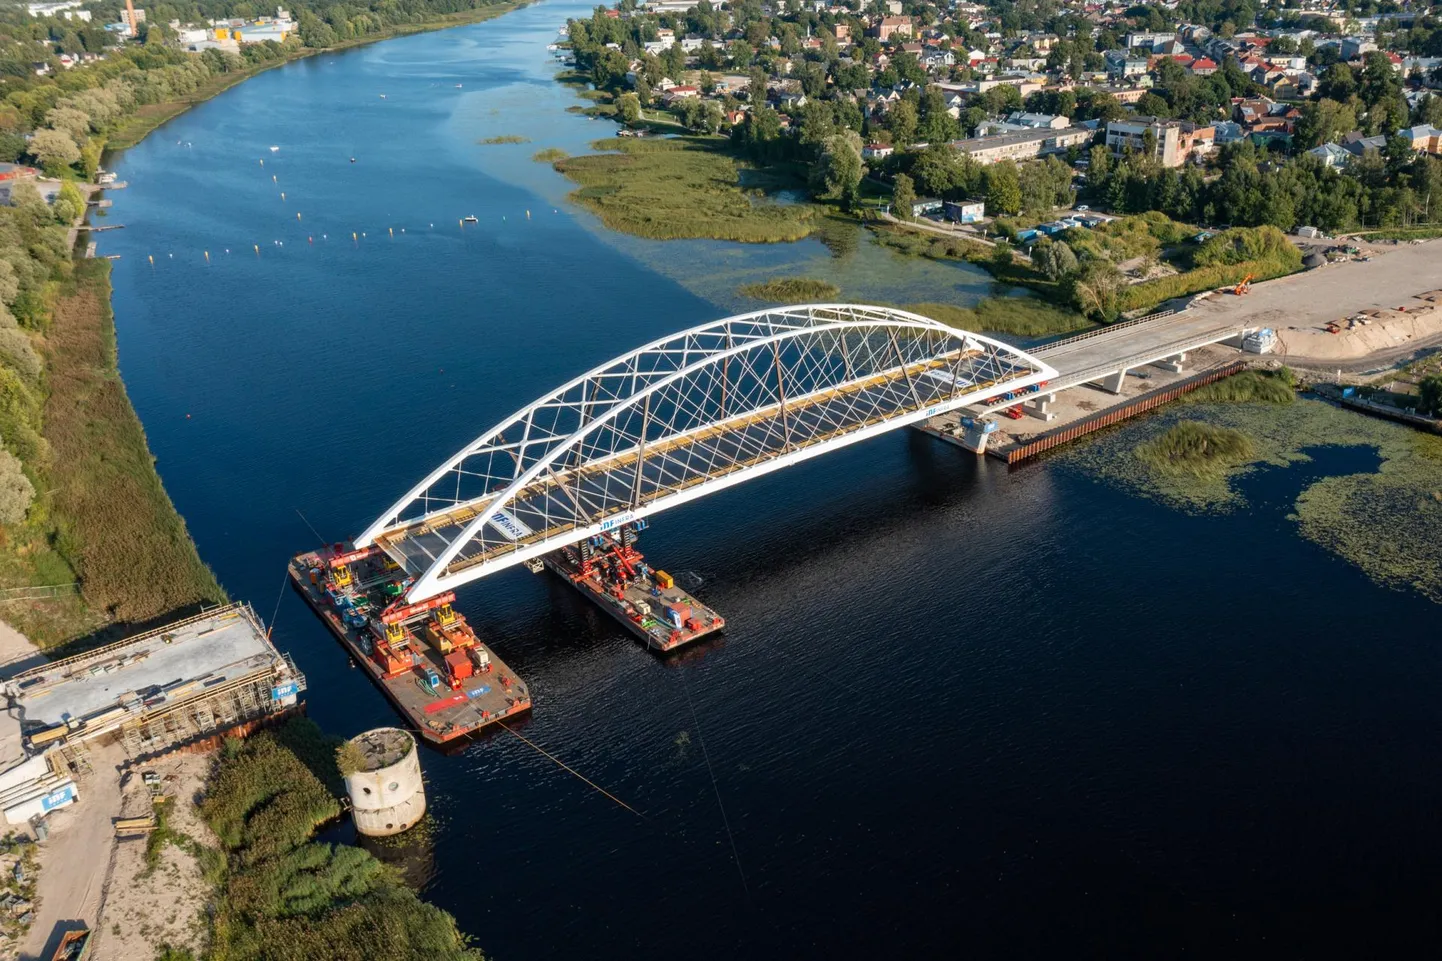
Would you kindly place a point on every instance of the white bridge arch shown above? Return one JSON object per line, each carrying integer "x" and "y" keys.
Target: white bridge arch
{"x": 679, "y": 418}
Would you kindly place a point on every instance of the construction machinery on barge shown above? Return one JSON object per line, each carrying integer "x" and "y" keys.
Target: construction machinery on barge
{"x": 428, "y": 660}
{"x": 424, "y": 656}
{"x": 607, "y": 569}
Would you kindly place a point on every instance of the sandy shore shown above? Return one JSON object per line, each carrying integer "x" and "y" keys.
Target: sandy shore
{"x": 1396, "y": 293}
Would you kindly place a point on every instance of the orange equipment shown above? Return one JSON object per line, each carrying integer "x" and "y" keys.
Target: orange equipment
{"x": 1245, "y": 286}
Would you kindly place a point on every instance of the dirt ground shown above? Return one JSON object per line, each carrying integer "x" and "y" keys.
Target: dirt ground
{"x": 143, "y": 908}
{"x": 85, "y": 877}
{"x": 1298, "y": 307}
{"x": 72, "y": 859}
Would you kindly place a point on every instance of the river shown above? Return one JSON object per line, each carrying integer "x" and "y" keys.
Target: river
{"x": 959, "y": 711}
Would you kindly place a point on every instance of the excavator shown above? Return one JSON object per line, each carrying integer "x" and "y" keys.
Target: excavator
{"x": 1245, "y": 286}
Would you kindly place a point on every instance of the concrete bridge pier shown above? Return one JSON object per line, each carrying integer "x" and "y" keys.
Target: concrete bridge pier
{"x": 1039, "y": 407}
{"x": 1112, "y": 383}
{"x": 974, "y": 434}
{"x": 1176, "y": 363}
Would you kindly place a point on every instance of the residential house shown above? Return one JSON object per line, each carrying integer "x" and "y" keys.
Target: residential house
{"x": 894, "y": 27}
{"x": 1424, "y": 138}
{"x": 1354, "y": 47}
{"x": 877, "y": 151}
{"x": 1204, "y": 67}
{"x": 1124, "y": 63}
{"x": 1332, "y": 155}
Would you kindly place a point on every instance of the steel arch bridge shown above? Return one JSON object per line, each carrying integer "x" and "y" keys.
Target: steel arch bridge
{"x": 679, "y": 418}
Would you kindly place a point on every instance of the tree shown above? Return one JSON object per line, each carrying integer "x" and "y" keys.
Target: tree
{"x": 1096, "y": 289}
{"x": 838, "y": 170}
{"x": 628, "y": 108}
{"x": 69, "y": 205}
{"x": 1429, "y": 395}
{"x": 903, "y": 197}
{"x": 902, "y": 121}
{"x": 16, "y": 491}
{"x": 936, "y": 125}
{"x": 1003, "y": 189}
{"x": 55, "y": 149}
{"x": 1056, "y": 260}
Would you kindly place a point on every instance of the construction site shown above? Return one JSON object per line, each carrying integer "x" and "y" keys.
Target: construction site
{"x": 184, "y": 685}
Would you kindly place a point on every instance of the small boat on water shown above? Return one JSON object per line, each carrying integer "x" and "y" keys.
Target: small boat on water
{"x": 471, "y": 219}
{"x": 458, "y": 86}
{"x": 274, "y": 149}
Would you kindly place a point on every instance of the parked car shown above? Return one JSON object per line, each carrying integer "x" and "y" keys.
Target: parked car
{"x": 1081, "y": 207}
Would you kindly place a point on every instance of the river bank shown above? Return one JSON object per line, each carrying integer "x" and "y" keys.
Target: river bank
{"x": 108, "y": 547}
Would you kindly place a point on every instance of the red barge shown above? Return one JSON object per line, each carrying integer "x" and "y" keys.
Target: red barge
{"x": 439, "y": 675}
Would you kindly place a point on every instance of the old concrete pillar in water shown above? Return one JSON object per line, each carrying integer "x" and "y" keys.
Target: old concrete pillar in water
{"x": 382, "y": 770}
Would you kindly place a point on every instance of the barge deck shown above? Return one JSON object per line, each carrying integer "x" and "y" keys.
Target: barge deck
{"x": 442, "y": 679}
{"x": 609, "y": 571}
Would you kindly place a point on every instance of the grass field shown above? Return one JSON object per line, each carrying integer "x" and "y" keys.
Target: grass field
{"x": 790, "y": 290}
{"x": 108, "y": 522}
{"x": 504, "y": 138}
{"x": 679, "y": 188}
{"x": 1018, "y": 316}
{"x": 549, "y": 155}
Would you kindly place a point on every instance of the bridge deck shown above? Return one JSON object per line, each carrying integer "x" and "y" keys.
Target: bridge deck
{"x": 547, "y": 508}
{"x": 1089, "y": 357}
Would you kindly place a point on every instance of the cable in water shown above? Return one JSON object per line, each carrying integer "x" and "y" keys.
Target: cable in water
{"x": 735, "y": 854}
{"x": 568, "y": 769}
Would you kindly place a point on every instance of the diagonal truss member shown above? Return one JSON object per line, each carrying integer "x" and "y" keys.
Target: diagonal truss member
{"x": 680, "y": 418}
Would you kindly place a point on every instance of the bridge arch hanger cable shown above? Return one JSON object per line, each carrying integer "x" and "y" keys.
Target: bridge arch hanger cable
{"x": 674, "y": 361}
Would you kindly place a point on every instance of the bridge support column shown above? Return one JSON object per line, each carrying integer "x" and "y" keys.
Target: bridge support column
{"x": 1174, "y": 364}
{"x": 1112, "y": 383}
{"x": 974, "y": 434}
{"x": 1038, "y": 408}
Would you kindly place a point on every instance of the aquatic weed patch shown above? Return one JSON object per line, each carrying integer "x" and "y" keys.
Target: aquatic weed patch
{"x": 1387, "y": 522}
{"x": 790, "y": 290}
{"x": 1196, "y": 449}
{"x": 678, "y": 188}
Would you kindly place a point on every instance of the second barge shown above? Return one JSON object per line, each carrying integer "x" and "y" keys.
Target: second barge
{"x": 424, "y": 657}
{"x": 608, "y": 570}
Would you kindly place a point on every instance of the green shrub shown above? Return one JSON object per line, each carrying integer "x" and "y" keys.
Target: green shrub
{"x": 285, "y": 897}
{"x": 1248, "y": 387}
{"x": 790, "y": 290}
{"x": 1196, "y": 449}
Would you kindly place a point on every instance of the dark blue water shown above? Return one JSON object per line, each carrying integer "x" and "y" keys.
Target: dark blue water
{"x": 960, "y": 712}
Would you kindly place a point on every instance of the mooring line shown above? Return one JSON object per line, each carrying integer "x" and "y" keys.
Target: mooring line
{"x": 735, "y": 854}
{"x": 278, "y": 598}
{"x": 570, "y": 770}
{"x": 323, "y": 541}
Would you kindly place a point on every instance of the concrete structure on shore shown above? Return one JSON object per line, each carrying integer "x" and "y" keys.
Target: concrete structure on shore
{"x": 386, "y": 791}
{"x": 185, "y": 683}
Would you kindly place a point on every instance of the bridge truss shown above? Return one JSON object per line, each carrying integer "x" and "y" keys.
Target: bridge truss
{"x": 679, "y": 418}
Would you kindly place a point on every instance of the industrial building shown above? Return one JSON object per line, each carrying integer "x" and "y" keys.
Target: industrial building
{"x": 183, "y": 684}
